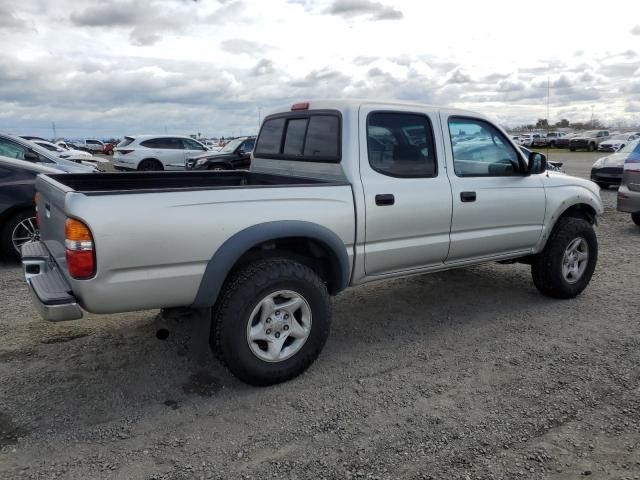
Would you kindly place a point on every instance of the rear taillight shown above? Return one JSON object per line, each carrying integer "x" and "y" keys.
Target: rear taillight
{"x": 123, "y": 152}
{"x": 78, "y": 242}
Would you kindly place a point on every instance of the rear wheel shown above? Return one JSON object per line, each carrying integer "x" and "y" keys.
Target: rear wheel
{"x": 271, "y": 321}
{"x": 572, "y": 149}
{"x": 591, "y": 147}
{"x": 150, "y": 165}
{"x": 603, "y": 186}
{"x": 565, "y": 266}
{"x": 18, "y": 230}
{"x": 636, "y": 218}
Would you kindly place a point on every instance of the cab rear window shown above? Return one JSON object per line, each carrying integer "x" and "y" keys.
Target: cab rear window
{"x": 305, "y": 136}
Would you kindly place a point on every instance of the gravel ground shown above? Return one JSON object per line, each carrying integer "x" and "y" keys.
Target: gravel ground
{"x": 465, "y": 374}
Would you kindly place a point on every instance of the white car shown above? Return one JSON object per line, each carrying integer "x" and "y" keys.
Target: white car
{"x": 155, "y": 152}
{"x": 73, "y": 155}
{"x": 616, "y": 142}
{"x": 93, "y": 145}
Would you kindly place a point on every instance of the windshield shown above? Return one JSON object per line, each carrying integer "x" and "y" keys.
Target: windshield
{"x": 231, "y": 146}
{"x": 619, "y": 137}
{"x": 629, "y": 147}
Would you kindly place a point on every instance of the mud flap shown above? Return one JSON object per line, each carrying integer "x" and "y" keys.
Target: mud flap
{"x": 196, "y": 342}
{"x": 199, "y": 348}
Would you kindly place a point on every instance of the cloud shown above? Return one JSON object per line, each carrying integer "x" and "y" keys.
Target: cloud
{"x": 458, "y": 76}
{"x": 242, "y": 46}
{"x": 355, "y": 8}
{"x": 635, "y": 30}
{"x": 150, "y": 21}
{"x": 8, "y": 20}
{"x": 263, "y": 67}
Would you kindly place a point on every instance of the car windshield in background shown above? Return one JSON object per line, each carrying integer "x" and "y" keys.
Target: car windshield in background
{"x": 629, "y": 147}
{"x": 231, "y": 146}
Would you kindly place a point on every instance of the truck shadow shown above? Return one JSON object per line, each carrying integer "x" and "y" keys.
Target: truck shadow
{"x": 118, "y": 370}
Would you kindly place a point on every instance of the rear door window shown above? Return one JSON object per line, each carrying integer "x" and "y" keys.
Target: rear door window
{"x": 270, "y": 138}
{"x": 298, "y": 136}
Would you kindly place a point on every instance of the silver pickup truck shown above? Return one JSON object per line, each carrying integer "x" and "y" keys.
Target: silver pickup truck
{"x": 339, "y": 194}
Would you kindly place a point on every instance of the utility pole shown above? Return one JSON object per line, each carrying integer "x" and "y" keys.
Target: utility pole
{"x": 53, "y": 127}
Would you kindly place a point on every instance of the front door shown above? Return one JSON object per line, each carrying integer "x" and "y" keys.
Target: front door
{"x": 497, "y": 207}
{"x": 407, "y": 193}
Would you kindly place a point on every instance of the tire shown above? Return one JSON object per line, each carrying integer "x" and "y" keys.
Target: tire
{"x": 603, "y": 186}
{"x": 635, "y": 217}
{"x": 547, "y": 266}
{"x": 591, "y": 147}
{"x": 572, "y": 149}
{"x": 239, "y": 306}
{"x": 150, "y": 165}
{"x": 24, "y": 222}
{"x": 218, "y": 167}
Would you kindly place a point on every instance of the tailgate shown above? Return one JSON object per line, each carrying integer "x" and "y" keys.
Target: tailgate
{"x": 52, "y": 196}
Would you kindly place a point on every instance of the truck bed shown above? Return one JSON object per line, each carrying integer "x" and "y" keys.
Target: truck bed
{"x": 154, "y": 182}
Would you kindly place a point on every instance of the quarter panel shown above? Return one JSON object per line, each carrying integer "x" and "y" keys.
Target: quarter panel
{"x": 152, "y": 249}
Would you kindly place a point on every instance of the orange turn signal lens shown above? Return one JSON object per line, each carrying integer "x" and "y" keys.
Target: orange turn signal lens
{"x": 76, "y": 231}
{"x": 81, "y": 258}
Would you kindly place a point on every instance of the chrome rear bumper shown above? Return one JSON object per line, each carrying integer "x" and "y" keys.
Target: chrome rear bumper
{"x": 50, "y": 292}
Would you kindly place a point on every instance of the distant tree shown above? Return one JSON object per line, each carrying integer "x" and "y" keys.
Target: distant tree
{"x": 542, "y": 123}
{"x": 564, "y": 123}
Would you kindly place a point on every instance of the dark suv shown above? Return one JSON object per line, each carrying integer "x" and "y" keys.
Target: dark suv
{"x": 17, "y": 209}
{"x": 233, "y": 156}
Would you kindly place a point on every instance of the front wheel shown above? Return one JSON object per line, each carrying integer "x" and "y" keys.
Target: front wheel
{"x": 565, "y": 266}
{"x": 636, "y": 218}
{"x": 271, "y": 321}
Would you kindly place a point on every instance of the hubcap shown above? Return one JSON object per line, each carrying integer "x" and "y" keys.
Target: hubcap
{"x": 25, "y": 231}
{"x": 279, "y": 326}
{"x": 575, "y": 260}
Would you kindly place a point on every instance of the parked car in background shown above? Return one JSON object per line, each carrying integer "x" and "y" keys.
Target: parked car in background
{"x": 16, "y": 147}
{"x": 107, "y": 148}
{"x": 17, "y": 213}
{"x": 616, "y": 142}
{"x": 539, "y": 140}
{"x": 588, "y": 140}
{"x": 92, "y": 145}
{"x": 73, "y": 155}
{"x": 563, "y": 142}
{"x": 155, "y": 152}
{"x": 339, "y": 194}
{"x": 233, "y": 156}
{"x": 607, "y": 171}
{"x": 553, "y": 137}
{"x": 32, "y": 138}
{"x": 629, "y": 191}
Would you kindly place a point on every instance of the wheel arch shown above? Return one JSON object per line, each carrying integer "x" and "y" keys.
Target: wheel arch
{"x": 152, "y": 159}
{"x": 14, "y": 210}
{"x": 312, "y": 244}
{"x": 586, "y": 208}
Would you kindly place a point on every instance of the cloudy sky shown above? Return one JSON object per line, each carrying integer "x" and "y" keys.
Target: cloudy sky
{"x": 130, "y": 66}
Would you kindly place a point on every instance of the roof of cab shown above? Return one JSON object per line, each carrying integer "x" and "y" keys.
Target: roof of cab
{"x": 351, "y": 104}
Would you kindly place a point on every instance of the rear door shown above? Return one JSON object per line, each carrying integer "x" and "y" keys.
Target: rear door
{"x": 407, "y": 192}
{"x": 497, "y": 208}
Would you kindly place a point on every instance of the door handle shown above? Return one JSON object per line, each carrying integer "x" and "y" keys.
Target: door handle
{"x": 385, "y": 199}
{"x": 468, "y": 196}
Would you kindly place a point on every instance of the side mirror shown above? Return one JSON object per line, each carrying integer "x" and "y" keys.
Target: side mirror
{"x": 31, "y": 156}
{"x": 244, "y": 154}
{"x": 537, "y": 163}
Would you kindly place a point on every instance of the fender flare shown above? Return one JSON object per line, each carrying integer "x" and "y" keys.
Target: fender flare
{"x": 224, "y": 259}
